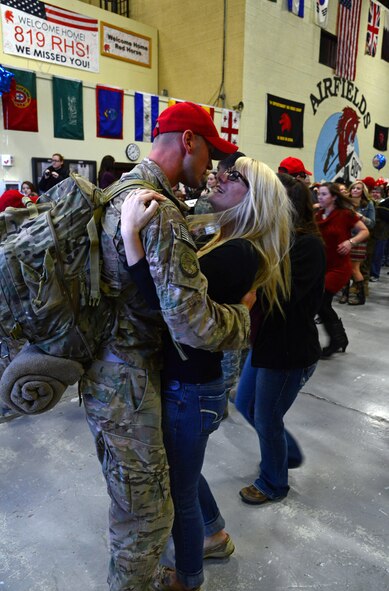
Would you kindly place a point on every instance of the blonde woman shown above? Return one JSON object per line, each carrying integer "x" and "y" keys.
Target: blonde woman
{"x": 250, "y": 250}
{"x": 365, "y": 210}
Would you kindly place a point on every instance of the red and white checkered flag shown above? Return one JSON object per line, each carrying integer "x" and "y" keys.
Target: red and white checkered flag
{"x": 230, "y": 125}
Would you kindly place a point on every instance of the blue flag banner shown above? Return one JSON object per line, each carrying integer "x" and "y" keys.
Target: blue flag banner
{"x": 109, "y": 112}
{"x": 146, "y": 113}
{"x": 297, "y": 7}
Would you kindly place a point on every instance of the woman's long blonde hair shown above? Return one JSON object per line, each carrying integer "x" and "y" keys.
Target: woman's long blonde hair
{"x": 264, "y": 217}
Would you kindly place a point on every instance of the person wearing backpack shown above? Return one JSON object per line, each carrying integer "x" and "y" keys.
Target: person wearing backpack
{"x": 121, "y": 388}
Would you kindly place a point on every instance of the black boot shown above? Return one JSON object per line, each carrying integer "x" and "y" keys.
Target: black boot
{"x": 358, "y": 298}
{"x": 345, "y": 292}
{"x": 338, "y": 338}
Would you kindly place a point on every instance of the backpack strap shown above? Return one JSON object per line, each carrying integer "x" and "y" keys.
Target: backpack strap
{"x": 114, "y": 190}
{"x": 94, "y": 261}
{"x": 105, "y": 197}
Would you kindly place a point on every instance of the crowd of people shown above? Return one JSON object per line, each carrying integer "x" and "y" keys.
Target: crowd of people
{"x": 214, "y": 297}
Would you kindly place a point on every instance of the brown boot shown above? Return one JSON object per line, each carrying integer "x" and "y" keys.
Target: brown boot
{"x": 165, "y": 580}
{"x": 345, "y": 292}
{"x": 358, "y": 299}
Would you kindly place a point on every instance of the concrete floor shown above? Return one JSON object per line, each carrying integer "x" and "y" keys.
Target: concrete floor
{"x": 330, "y": 534}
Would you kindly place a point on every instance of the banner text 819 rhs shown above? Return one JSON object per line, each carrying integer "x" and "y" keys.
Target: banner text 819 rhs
{"x": 51, "y": 34}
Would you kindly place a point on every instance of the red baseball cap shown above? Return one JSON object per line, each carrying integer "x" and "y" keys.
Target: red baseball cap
{"x": 186, "y": 115}
{"x": 293, "y": 166}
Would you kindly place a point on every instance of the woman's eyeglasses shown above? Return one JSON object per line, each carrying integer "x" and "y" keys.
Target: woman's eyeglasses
{"x": 234, "y": 176}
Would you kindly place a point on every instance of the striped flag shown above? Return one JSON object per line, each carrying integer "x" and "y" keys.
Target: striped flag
{"x": 146, "y": 114}
{"x": 349, "y": 16}
{"x": 297, "y": 7}
{"x": 230, "y": 126}
{"x": 385, "y": 38}
{"x": 210, "y": 110}
{"x": 54, "y": 14}
{"x": 373, "y": 27}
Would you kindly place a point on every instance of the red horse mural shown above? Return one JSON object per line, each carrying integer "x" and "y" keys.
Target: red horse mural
{"x": 346, "y": 131}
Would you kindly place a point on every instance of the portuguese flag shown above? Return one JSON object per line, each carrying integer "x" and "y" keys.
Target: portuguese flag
{"x": 19, "y": 105}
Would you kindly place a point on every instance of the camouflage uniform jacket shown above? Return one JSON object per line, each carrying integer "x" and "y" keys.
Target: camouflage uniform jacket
{"x": 190, "y": 315}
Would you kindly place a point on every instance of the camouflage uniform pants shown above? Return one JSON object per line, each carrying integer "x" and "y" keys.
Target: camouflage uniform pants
{"x": 123, "y": 409}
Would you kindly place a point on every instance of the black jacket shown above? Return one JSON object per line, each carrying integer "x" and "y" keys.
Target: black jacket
{"x": 49, "y": 181}
{"x": 292, "y": 341}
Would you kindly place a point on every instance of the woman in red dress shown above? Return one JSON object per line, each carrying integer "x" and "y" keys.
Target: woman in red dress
{"x": 337, "y": 219}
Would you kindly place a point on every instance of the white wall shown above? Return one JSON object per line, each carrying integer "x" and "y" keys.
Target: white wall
{"x": 281, "y": 58}
{"x": 130, "y": 77}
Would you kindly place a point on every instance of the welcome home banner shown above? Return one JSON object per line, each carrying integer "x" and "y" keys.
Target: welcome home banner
{"x": 285, "y": 120}
{"x": 68, "y": 109}
{"x": 43, "y": 32}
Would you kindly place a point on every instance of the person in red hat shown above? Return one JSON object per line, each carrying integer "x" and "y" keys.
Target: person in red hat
{"x": 369, "y": 182}
{"x": 294, "y": 167}
{"x": 121, "y": 390}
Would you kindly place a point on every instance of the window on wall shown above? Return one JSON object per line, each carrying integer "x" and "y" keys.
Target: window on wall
{"x": 121, "y": 7}
{"x": 328, "y": 45}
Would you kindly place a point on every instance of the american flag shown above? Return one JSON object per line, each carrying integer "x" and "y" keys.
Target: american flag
{"x": 349, "y": 16}
{"x": 385, "y": 38}
{"x": 53, "y": 14}
{"x": 373, "y": 27}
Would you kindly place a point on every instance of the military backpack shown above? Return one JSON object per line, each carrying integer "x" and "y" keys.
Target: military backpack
{"x": 50, "y": 261}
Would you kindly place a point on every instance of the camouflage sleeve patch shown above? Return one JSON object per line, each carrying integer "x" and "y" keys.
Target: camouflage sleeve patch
{"x": 181, "y": 232}
{"x": 189, "y": 264}
{"x": 191, "y": 316}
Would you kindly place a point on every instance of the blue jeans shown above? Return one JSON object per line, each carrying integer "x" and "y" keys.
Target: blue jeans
{"x": 264, "y": 396}
{"x": 378, "y": 258}
{"x": 190, "y": 413}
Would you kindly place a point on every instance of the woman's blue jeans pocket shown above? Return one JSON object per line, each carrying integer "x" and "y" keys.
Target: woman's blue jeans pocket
{"x": 211, "y": 412}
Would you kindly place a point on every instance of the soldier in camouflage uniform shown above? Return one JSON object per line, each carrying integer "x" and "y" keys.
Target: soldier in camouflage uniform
{"x": 121, "y": 390}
